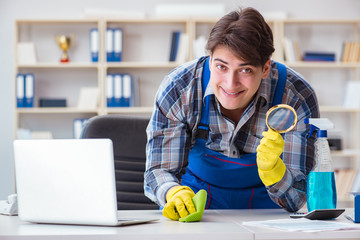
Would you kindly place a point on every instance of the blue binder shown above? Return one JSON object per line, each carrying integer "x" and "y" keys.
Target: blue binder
{"x": 20, "y": 90}
{"x": 127, "y": 90}
{"x": 94, "y": 44}
{"x": 109, "y": 44}
{"x": 78, "y": 125}
{"x": 109, "y": 90}
{"x": 118, "y": 90}
{"x": 118, "y": 44}
{"x": 29, "y": 90}
{"x": 175, "y": 39}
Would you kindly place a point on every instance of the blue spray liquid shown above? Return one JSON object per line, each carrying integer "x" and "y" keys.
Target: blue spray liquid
{"x": 321, "y": 191}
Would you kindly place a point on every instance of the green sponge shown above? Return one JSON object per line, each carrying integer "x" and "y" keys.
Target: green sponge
{"x": 199, "y": 201}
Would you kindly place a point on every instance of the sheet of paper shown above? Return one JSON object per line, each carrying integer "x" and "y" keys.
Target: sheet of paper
{"x": 303, "y": 224}
{"x": 88, "y": 98}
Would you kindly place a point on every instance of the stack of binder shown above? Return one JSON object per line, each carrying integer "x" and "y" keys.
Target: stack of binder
{"x": 119, "y": 90}
{"x": 25, "y": 90}
{"x": 114, "y": 39}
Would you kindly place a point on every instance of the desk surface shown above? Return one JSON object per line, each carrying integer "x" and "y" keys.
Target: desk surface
{"x": 216, "y": 224}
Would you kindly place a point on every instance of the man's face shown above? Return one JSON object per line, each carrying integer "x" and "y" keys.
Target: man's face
{"x": 234, "y": 81}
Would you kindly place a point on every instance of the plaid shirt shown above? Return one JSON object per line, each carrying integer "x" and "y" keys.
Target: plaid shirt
{"x": 172, "y": 129}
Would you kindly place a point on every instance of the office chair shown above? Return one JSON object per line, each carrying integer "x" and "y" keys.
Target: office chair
{"x": 128, "y": 134}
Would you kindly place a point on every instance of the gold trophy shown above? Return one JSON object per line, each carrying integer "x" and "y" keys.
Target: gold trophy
{"x": 65, "y": 43}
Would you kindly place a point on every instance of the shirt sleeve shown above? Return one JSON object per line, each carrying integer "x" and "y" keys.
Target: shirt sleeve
{"x": 298, "y": 155}
{"x": 169, "y": 134}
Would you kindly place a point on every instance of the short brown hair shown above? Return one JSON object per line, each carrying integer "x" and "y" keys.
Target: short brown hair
{"x": 246, "y": 33}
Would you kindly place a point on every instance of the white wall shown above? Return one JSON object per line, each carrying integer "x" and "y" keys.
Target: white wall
{"x": 10, "y": 10}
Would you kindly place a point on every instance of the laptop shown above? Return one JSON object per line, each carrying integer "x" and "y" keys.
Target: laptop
{"x": 68, "y": 181}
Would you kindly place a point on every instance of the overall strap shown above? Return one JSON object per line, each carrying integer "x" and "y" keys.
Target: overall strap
{"x": 280, "y": 87}
{"x": 203, "y": 128}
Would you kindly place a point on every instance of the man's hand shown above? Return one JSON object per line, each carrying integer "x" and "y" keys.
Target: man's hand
{"x": 179, "y": 203}
{"x": 270, "y": 166}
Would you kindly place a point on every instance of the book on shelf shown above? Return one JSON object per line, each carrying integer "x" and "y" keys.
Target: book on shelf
{"x": 345, "y": 180}
{"x": 120, "y": 90}
{"x": 174, "y": 45}
{"x": 52, "y": 102}
{"x": 319, "y": 56}
{"x": 291, "y": 50}
{"x": 350, "y": 51}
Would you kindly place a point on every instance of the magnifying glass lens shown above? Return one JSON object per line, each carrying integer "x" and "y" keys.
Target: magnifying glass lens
{"x": 281, "y": 118}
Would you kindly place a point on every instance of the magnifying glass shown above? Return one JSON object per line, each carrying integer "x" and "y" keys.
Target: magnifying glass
{"x": 281, "y": 118}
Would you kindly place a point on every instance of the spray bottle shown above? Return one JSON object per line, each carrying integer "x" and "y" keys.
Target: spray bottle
{"x": 321, "y": 189}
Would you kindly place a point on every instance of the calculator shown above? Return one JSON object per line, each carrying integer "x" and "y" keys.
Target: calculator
{"x": 319, "y": 214}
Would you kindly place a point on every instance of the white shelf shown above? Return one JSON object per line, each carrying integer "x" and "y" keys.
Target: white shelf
{"x": 322, "y": 21}
{"x": 339, "y": 109}
{"x": 346, "y": 153}
{"x": 130, "y": 110}
{"x": 301, "y": 64}
{"x": 57, "y": 110}
{"x": 142, "y": 65}
{"x": 60, "y": 65}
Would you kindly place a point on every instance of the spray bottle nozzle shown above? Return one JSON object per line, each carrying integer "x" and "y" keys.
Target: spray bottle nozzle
{"x": 319, "y": 124}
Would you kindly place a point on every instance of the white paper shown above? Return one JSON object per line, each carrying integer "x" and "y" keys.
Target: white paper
{"x": 352, "y": 96}
{"x": 26, "y": 53}
{"x": 88, "y": 98}
{"x": 199, "y": 46}
{"x": 183, "y": 49}
{"x": 41, "y": 135}
{"x": 303, "y": 225}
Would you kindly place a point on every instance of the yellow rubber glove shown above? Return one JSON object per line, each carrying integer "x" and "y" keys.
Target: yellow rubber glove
{"x": 270, "y": 166}
{"x": 179, "y": 202}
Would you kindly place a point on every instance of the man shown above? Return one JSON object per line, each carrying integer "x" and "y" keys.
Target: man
{"x": 214, "y": 136}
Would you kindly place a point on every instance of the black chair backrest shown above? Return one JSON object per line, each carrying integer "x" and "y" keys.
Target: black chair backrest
{"x": 128, "y": 134}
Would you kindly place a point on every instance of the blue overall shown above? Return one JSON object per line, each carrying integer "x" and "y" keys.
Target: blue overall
{"x": 231, "y": 183}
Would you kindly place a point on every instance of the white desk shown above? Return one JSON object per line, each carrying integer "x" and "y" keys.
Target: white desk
{"x": 216, "y": 224}
{"x": 273, "y": 234}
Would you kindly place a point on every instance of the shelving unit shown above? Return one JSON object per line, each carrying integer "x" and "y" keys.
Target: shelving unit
{"x": 54, "y": 79}
{"x": 311, "y": 36}
{"x": 147, "y": 65}
{"x": 146, "y": 46}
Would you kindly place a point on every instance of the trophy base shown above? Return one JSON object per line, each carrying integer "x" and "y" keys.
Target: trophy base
{"x": 64, "y": 60}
